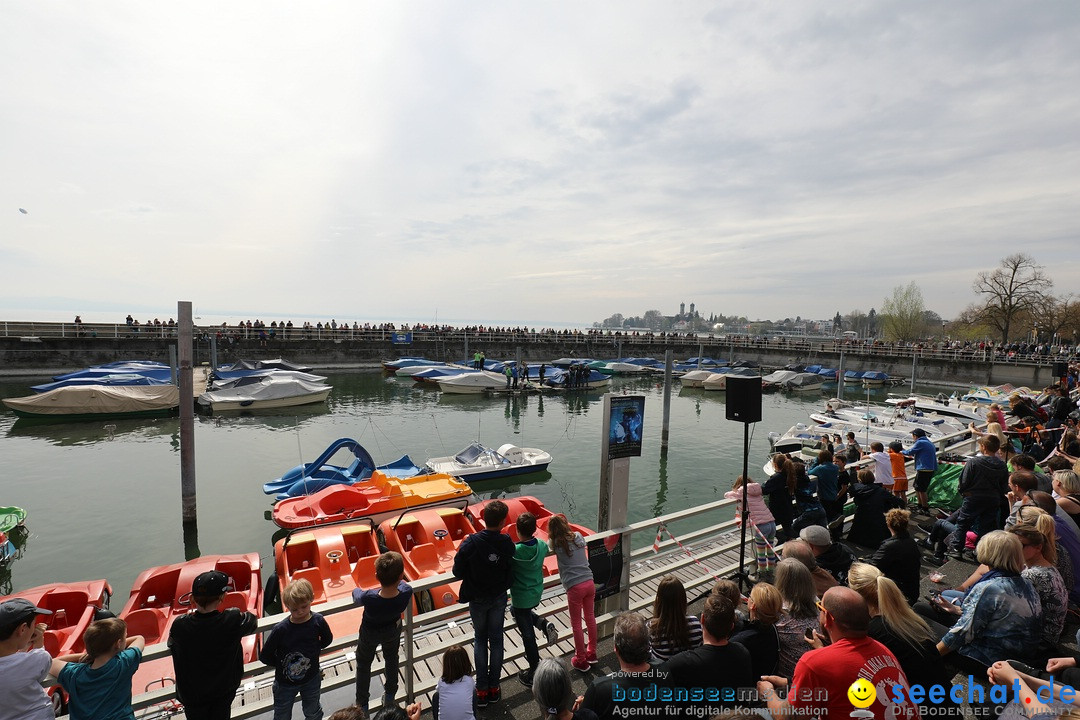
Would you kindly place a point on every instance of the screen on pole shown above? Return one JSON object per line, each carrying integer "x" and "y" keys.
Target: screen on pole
{"x": 624, "y": 426}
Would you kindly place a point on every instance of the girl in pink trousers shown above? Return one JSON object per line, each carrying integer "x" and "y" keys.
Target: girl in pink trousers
{"x": 762, "y": 528}
{"x": 577, "y": 579}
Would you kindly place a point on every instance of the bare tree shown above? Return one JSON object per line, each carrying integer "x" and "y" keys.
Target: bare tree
{"x": 1055, "y": 316}
{"x": 1018, "y": 285}
{"x": 902, "y": 314}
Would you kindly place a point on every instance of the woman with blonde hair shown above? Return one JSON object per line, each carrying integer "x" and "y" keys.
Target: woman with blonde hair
{"x": 897, "y": 627}
{"x": 992, "y": 428}
{"x": 760, "y": 636}
{"x": 671, "y": 630}
{"x": 1040, "y": 557}
{"x": 1066, "y": 484}
{"x": 799, "y": 614}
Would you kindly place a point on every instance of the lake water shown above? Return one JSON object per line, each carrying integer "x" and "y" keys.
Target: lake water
{"x": 104, "y": 497}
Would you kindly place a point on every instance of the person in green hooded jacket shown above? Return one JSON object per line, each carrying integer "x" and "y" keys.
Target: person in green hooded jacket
{"x": 525, "y": 593}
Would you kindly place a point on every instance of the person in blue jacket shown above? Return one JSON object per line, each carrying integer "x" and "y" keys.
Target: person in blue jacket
{"x": 925, "y": 455}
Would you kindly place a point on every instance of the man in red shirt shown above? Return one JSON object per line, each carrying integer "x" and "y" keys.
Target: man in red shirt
{"x": 823, "y": 676}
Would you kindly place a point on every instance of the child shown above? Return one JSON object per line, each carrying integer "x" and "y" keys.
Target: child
{"x": 101, "y": 687}
{"x": 483, "y": 565}
{"x": 762, "y": 525}
{"x": 206, "y": 650}
{"x": 899, "y": 473}
{"x": 381, "y": 625}
{"x": 577, "y": 579}
{"x": 21, "y": 673}
{"x": 292, "y": 648}
{"x": 882, "y": 465}
{"x": 525, "y": 593}
{"x": 455, "y": 697}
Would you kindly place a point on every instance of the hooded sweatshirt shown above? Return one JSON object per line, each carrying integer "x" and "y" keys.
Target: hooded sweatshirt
{"x": 528, "y": 564}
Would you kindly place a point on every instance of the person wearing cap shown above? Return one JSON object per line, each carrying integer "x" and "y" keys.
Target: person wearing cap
{"x": 925, "y": 455}
{"x": 206, "y": 650}
{"x": 21, "y": 673}
{"x": 834, "y": 557}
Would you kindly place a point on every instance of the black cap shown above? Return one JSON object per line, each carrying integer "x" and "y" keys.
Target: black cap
{"x": 18, "y": 611}
{"x": 210, "y": 583}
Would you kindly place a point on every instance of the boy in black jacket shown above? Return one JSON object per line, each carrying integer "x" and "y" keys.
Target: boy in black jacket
{"x": 207, "y": 654}
{"x": 483, "y": 564}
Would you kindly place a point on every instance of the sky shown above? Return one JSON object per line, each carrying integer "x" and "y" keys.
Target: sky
{"x": 529, "y": 163}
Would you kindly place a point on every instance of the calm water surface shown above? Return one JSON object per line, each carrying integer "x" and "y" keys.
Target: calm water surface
{"x": 104, "y": 497}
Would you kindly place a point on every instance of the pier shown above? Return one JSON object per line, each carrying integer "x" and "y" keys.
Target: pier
{"x": 698, "y": 545}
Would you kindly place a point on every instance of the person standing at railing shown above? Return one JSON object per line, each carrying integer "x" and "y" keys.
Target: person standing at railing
{"x": 381, "y": 625}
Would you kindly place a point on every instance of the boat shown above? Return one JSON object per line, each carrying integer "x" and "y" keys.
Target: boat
{"x": 336, "y": 560}
{"x": 565, "y": 362}
{"x": 275, "y": 364}
{"x": 379, "y": 497}
{"x": 11, "y": 517}
{"x": 718, "y": 381}
{"x": 155, "y": 370}
{"x": 315, "y": 476}
{"x": 873, "y": 378}
{"x": 625, "y": 366}
{"x": 477, "y": 462}
{"x": 472, "y": 383}
{"x": 74, "y": 606}
{"x": 262, "y": 392}
{"x": 516, "y": 506}
{"x": 92, "y": 402}
{"x": 117, "y": 379}
{"x": 162, "y": 594}
{"x": 695, "y": 378}
{"x": 943, "y": 406}
{"x": 803, "y": 382}
{"x": 223, "y": 379}
{"x": 557, "y": 378}
{"x": 773, "y": 381}
{"x": 428, "y": 540}
{"x": 8, "y": 551}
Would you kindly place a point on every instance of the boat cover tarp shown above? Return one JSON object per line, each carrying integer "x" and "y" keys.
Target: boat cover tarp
{"x": 875, "y": 375}
{"x": 942, "y": 492}
{"x": 98, "y": 399}
{"x": 268, "y": 388}
{"x": 119, "y": 379}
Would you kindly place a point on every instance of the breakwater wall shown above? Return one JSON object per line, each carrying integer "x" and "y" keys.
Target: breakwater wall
{"x": 52, "y": 353}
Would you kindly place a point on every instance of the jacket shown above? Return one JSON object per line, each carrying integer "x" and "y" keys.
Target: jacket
{"x": 527, "y": 585}
{"x": 483, "y": 564}
{"x": 759, "y": 511}
{"x": 984, "y": 476}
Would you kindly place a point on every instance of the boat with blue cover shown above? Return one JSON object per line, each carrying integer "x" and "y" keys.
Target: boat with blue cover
{"x": 117, "y": 379}
{"x": 314, "y": 476}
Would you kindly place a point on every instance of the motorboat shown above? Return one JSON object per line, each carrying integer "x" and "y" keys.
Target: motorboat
{"x": 943, "y": 406}
{"x": 379, "y": 497}
{"x": 472, "y": 383}
{"x": 896, "y": 417}
{"x": 718, "y": 381}
{"x": 336, "y": 560}
{"x": 93, "y": 402}
{"x": 275, "y": 364}
{"x": 773, "y": 381}
{"x": 428, "y": 540}
{"x": 803, "y": 382}
{"x": 565, "y": 362}
{"x": 626, "y": 366}
{"x": 224, "y": 379}
{"x": 260, "y": 392}
{"x": 873, "y": 378}
{"x": 478, "y": 462}
{"x": 557, "y": 378}
{"x": 162, "y": 594}
{"x": 315, "y": 476}
{"x": 695, "y": 378}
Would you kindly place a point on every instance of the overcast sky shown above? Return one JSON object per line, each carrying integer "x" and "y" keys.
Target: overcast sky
{"x": 540, "y": 162}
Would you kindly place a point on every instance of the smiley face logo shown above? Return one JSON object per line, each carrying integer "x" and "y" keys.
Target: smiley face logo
{"x": 861, "y": 694}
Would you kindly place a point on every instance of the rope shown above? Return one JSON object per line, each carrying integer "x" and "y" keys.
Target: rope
{"x": 656, "y": 547}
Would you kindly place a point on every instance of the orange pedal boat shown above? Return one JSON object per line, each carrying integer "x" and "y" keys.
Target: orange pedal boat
{"x": 336, "y": 560}
{"x": 428, "y": 540}
{"x": 379, "y": 498}
{"x": 162, "y": 594}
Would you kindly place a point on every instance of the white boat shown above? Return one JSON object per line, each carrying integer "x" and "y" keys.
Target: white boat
{"x": 232, "y": 382}
{"x": 718, "y": 381}
{"x": 263, "y": 392}
{"x": 943, "y": 406}
{"x": 83, "y": 402}
{"x": 695, "y": 378}
{"x": 477, "y": 462}
{"x": 472, "y": 383}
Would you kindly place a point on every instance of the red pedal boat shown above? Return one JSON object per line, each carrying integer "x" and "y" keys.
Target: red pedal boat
{"x": 518, "y": 505}
{"x": 162, "y": 594}
{"x": 336, "y": 560}
{"x": 428, "y": 539}
{"x": 379, "y": 498}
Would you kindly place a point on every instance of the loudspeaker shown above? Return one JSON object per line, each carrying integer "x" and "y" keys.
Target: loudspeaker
{"x": 744, "y": 399}
{"x": 1061, "y": 369}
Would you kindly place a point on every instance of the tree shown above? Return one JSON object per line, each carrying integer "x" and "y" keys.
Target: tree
{"x": 654, "y": 320}
{"x": 1016, "y": 286}
{"x": 837, "y": 323}
{"x": 1054, "y": 316}
{"x": 902, "y": 314}
{"x": 615, "y": 321}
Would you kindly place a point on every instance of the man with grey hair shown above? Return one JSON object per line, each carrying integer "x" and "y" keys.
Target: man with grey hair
{"x": 636, "y": 682}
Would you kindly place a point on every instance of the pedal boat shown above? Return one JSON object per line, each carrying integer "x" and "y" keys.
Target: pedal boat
{"x": 162, "y": 594}
{"x": 428, "y": 540}
{"x": 516, "y": 506}
{"x": 379, "y": 498}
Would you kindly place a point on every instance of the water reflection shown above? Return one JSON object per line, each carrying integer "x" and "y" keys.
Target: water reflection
{"x": 661, "y": 487}
{"x": 89, "y": 432}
